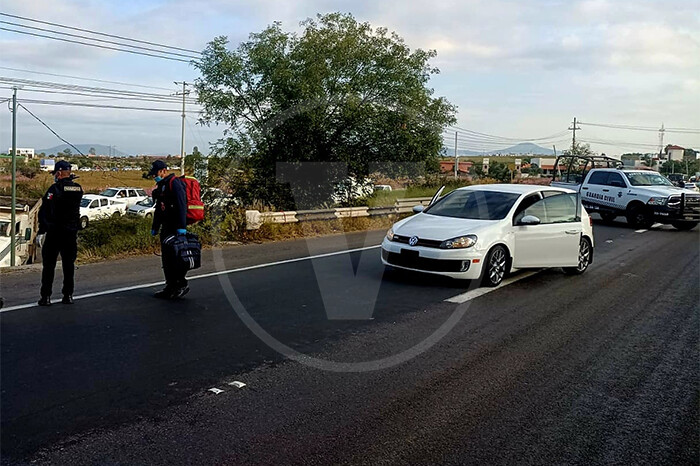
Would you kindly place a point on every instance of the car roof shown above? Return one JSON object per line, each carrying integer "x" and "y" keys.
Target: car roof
{"x": 513, "y": 188}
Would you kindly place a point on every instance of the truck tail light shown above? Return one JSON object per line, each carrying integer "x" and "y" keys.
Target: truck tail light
{"x": 590, "y": 221}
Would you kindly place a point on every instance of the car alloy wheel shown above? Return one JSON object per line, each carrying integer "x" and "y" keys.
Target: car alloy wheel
{"x": 584, "y": 255}
{"x": 496, "y": 266}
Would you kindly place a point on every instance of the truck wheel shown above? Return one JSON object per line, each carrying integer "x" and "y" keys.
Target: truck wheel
{"x": 149, "y": 215}
{"x": 684, "y": 225}
{"x": 585, "y": 253}
{"x": 495, "y": 266}
{"x": 638, "y": 216}
{"x": 83, "y": 223}
{"x": 608, "y": 217}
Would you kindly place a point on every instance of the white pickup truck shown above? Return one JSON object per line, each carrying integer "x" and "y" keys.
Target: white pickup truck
{"x": 643, "y": 197}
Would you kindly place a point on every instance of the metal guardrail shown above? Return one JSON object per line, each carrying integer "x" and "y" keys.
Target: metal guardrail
{"x": 255, "y": 219}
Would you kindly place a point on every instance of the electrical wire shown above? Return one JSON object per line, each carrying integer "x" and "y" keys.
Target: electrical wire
{"x": 95, "y": 45}
{"x": 118, "y": 107}
{"x": 643, "y": 128}
{"x": 84, "y": 79}
{"x": 99, "y": 33}
{"x": 105, "y": 97}
{"x": 97, "y": 40}
{"x": 98, "y": 90}
{"x": 49, "y": 128}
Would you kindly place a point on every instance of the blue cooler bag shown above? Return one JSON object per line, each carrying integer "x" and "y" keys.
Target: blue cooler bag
{"x": 186, "y": 249}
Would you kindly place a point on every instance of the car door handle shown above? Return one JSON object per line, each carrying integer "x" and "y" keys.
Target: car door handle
{"x": 572, "y": 232}
{"x": 606, "y": 190}
{"x": 584, "y": 188}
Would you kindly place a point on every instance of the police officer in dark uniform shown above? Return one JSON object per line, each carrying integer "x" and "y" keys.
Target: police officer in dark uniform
{"x": 170, "y": 218}
{"x": 59, "y": 220}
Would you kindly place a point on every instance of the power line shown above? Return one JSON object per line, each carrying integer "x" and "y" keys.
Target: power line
{"x": 119, "y": 107}
{"x": 95, "y": 45}
{"x": 100, "y": 33}
{"x": 49, "y": 128}
{"x": 75, "y": 87}
{"x": 120, "y": 97}
{"x": 643, "y": 128}
{"x": 485, "y": 136}
{"x": 97, "y": 40}
{"x": 84, "y": 79}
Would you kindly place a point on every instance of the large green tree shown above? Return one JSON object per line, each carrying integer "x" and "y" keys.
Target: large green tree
{"x": 339, "y": 91}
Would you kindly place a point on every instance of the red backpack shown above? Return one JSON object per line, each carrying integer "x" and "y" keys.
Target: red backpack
{"x": 195, "y": 206}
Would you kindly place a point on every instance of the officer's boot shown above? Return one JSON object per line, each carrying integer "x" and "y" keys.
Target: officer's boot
{"x": 45, "y": 301}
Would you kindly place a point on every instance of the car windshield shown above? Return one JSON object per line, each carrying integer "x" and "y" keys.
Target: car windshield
{"x": 475, "y": 205}
{"x": 148, "y": 202}
{"x": 84, "y": 202}
{"x": 647, "y": 179}
{"x": 109, "y": 192}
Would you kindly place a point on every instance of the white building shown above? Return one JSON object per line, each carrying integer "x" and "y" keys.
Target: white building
{"x": 674, "y": 152}
{"x": 23, "y": 152}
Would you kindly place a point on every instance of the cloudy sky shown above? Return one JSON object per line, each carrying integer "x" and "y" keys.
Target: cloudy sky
{"x": 517, "y": 69}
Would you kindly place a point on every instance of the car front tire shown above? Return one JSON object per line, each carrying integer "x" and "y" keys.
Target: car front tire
{"x": 684, "y": 225}
{"x": 585, "y": 254}
{"x": 639, "y": 216}
{"x": 495, "y": 266}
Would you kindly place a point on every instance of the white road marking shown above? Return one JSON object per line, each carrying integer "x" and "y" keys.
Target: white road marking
{"x": 215, "y": 390}
{"x": 473, "y": 294}
{"x": 641, "y": 231}
{"x": 237, "y": 384}
{"x": 197, "y": 277}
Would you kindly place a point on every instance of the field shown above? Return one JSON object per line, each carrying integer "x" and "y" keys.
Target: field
{"x": 92, "y": 182}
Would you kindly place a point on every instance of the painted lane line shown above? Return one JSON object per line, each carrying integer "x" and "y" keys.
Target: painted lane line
{"x": 473, "y": 294}
{"x": 198, "y": 277}
{"x": 215, "y": 390}
{"x": 641, "y": 231}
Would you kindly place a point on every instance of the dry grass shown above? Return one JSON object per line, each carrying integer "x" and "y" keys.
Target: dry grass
{"x": 92, "y": 182}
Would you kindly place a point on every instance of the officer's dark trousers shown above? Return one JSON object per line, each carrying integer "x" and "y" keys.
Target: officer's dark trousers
{"x": 173, "y": 269}
{"x": 64, "y": 243}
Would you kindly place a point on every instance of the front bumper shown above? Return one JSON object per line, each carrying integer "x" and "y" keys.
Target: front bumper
{"x": 454, "y": 263}
{"x": 671, "y": 214}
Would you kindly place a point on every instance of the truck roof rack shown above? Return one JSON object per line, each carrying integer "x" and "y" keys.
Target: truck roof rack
{"x": 573, "y": 168}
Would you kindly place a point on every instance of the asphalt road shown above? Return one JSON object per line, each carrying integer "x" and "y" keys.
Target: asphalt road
{"x": 596, "y": 369}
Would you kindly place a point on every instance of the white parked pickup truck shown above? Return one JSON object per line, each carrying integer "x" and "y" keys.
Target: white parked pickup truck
{"x": 643, "y": 197}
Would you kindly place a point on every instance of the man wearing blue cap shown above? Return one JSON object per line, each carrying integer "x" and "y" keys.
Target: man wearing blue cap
{"x": 59, "y": 220}
{"x": 170, "y": 218}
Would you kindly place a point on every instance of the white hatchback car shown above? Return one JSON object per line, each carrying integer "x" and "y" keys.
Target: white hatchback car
{"x": 129, "y": 196}
{"x": 486, "y": 231}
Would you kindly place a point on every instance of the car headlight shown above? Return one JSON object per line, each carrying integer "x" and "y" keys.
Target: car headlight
{"x": 460, "y": 242}
{"x": 657, "y": 201}
{"x": 674, "y": 201}
{"x": 390, "y": 234}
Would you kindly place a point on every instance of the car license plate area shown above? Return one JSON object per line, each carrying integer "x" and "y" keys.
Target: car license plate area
{"x": 409, "y": 254}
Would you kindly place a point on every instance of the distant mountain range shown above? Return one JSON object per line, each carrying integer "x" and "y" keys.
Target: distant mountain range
{"x": 100, "y": 149}
{"x": 524, "y": 148}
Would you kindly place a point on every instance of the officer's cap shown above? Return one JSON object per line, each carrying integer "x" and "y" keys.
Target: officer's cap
{"x": 157, "y": 166}
{"x": 61, "y": 165}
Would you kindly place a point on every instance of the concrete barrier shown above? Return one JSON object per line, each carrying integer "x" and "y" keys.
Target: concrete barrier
{"x": 255, "y": 219}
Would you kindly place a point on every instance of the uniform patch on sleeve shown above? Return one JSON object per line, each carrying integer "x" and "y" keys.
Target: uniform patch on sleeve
{"x": 72, "y": 188}
{"x": 49, "y": 196}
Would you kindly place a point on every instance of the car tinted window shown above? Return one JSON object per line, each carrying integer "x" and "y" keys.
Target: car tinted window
{"x": 109, "y": 192}
{"x": 615, "y": 179}
{"x": 476, "y": 205}
{"x": 104, "y": 202}
{"x": 94, "y": 204}
{"x": 553, "y": 209}
{"x": 598, "y": 178}
{"x": 84, "y": 202}
{"x": 527, "y": 202}
{"x": 140, "y": 192}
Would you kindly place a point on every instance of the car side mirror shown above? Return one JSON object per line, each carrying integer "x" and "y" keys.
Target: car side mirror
{"x": 529, "y": 220}
{"x": 418, "y": 209}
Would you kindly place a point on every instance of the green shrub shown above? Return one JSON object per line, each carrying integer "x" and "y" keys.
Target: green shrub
{"x": 116, "y": 236}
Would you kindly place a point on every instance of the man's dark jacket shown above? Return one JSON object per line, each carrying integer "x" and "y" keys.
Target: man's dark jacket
{"x": 60, "y": 207}
{"x": 170, "y": 200}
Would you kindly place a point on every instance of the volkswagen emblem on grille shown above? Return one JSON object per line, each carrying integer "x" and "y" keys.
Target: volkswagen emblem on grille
{"x": 413, "y": 241}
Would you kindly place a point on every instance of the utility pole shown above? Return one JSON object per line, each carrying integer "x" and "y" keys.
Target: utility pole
{"x": 13, "y": 200}
{"x": 456, "y": 157}
{"x": 573, "y": 137}
{"x": 182, "y": 136}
